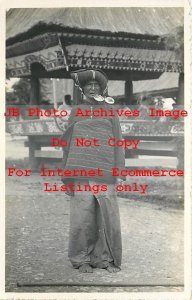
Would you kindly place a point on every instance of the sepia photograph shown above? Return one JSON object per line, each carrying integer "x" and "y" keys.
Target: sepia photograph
{"x": 95, "y": 143}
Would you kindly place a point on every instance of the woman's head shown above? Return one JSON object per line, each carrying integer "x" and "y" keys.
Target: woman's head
{"x": 91, "y": 82}
{"x": 91, "y": 89}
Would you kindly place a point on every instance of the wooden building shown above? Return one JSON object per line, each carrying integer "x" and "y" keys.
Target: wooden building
{"x": 128, "y": 44}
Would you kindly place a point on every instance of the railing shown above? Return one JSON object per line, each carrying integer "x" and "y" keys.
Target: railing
{"x": 161, "y": 144}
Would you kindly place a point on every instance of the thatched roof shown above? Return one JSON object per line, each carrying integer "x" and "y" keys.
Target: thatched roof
{"x": 147, "y": 21}
{"x": 165, "y": 81}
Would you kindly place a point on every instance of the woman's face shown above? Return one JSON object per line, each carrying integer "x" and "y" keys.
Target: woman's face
{"x": 91, "y": 89}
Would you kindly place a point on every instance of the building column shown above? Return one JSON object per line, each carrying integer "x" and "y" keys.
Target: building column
{"x": 128, "y": 92}
{"x": 35, "y": 91}
{"x": 34, "y": 101}
{"x": 180, "y": 95}
{"x": 34, "y": 162}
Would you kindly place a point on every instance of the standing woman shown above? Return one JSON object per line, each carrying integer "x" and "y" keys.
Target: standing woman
{"x": 95, "y": 233}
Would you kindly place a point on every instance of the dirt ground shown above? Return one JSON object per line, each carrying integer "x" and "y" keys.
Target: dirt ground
{"x": 37, "y": 227}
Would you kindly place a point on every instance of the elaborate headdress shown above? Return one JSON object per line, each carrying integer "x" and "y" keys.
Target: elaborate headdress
{"x": 81, "y": 77}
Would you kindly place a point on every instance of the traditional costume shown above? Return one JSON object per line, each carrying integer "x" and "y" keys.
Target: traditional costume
{"x": 95, "y": 234}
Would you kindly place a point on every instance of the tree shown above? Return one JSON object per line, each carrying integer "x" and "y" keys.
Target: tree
{"x": 175, "y": 41}
{"x": 21, "y": 91}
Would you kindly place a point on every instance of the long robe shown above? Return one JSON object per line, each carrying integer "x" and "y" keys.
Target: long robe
{"x": 95, "y": 233}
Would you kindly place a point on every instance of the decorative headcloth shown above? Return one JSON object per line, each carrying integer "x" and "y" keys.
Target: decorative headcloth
{"x": 81, "y": 77}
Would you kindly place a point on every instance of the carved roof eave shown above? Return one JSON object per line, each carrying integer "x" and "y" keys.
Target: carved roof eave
{"x": 53, "y": 54}
{"x": 45, "y": 40}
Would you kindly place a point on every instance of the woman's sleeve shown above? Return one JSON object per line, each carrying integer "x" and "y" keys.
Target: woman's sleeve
{"x": 119, "y": 151}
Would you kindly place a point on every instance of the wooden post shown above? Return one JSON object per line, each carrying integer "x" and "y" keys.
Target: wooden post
{"x": 33, "y": 161}
{"x": 180, "y": 95}
{"x": 77, "y": 96}
{"x": 128, "y": 101}
{"x": 54, "y": 93}
{"x": 35, "y": 91}
{"x": 34, "y": 101}
{"x": 128, "y": 92}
